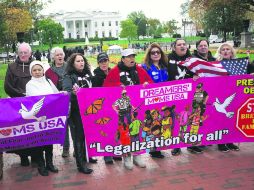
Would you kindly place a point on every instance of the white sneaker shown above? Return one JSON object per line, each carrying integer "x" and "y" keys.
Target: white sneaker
{"x": 137, "y": 160}
{"x": 127, "y": 162}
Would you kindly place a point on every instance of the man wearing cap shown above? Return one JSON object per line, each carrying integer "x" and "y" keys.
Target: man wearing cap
{"x": 126, "y": 73}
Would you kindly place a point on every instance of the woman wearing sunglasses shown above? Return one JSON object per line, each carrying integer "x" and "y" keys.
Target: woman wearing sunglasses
{"x": 155, "y": 64}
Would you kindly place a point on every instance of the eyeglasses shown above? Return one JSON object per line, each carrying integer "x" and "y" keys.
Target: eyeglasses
{"x": 23, "y": 53}
{"x": 155, "y": 52}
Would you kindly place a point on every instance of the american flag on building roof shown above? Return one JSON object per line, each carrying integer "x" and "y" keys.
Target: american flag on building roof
{"x": 216, "y": 68}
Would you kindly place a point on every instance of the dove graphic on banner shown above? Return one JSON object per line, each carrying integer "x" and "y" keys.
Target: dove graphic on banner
{"x": 222, "y": 107}
{"x": 32, "y": 113}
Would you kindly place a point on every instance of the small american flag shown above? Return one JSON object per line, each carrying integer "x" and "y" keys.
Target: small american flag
{"x": 235, "y": 66}
{"x": 216, "y": 68}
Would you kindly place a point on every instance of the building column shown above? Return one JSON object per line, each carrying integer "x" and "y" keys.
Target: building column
{"x": 65, "y": 29}
{"x": 74, "y": 29}
{"x": 82, "y": 29}
{"x": 91, "y": 30}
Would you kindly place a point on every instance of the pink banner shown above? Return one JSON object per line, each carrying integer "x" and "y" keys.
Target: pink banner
{"x": 182, "y": 113}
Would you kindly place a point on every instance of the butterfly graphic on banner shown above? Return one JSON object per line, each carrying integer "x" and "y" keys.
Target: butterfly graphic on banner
{"x": 103, "y": 120}
{"x": 102, "y": 133}
{"x": 95, "y": 106}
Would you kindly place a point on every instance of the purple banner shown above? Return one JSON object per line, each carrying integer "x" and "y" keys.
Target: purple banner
{"x": 167, "y": 115}
{"x": 32, "y": 121}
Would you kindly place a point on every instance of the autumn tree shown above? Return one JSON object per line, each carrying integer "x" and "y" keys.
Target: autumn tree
{"x": 13, "y": 20}
{"x": 17, "y": 16}
{"x": 220, "y": 15}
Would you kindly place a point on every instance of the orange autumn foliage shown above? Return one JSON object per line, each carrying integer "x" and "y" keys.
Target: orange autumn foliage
{"x": 17, "y": 20}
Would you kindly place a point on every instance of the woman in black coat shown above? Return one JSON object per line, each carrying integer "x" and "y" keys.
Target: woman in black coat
{"x": 78, "y": 75}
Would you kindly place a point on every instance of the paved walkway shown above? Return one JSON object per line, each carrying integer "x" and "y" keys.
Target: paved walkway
{"x": 212, "y": 170}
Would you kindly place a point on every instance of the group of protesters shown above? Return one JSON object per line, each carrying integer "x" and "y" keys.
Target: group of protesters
{"x": 27, "y": 77}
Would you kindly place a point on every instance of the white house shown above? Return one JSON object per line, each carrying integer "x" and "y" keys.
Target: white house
{"x": 80, "y": 24}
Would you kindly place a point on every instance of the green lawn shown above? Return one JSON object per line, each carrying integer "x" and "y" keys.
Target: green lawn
{"x": 116, "y": 42}
{"x": 3, "y": 68}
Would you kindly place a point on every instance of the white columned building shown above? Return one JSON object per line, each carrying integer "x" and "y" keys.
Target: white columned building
{"x": 80, "y": 24}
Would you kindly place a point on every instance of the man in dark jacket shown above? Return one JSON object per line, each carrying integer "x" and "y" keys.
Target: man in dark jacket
{"x": 17, "y": 75}
{"x": 202, "y": 51}
{"x": 180, "y": 52}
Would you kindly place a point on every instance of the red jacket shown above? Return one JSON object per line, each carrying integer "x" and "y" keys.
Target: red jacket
{"x": 52, "y": 76}
{"x": 113, "y": 77}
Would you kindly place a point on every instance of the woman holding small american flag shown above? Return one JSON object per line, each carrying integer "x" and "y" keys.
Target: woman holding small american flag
{"x": 226, "y": 52}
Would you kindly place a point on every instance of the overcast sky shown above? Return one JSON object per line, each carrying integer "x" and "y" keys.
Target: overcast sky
{"x": 162, "y": 9}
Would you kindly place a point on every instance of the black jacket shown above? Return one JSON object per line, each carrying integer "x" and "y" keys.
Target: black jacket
{"x": 209, "y": 57}
{"x": 176, "y": 71}
{"x": 250, "y": 68}
{"x": 17, "y": 75}
{"x": 83, "y": 80}
{"x": 99, "y": 77}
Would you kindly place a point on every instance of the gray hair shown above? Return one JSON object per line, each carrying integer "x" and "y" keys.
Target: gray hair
{"x": 25, "y": 45}
{"x": 53, "y": 51}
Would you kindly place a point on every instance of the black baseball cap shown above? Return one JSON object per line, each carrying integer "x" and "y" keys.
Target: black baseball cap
{"x": 102, "y": 56}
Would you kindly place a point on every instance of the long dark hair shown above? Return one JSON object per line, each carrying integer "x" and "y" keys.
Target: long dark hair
{"x": 70, "y": 64}
{"x": 163, "y": 60}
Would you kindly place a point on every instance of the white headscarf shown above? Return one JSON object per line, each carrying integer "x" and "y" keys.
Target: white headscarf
{"x": 39, "y": 86}
{"x": 33, "y": 64}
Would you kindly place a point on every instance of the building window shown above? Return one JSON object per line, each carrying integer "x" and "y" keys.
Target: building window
{"x": 95, "y": 24}
{"x": 116, "y": 33}
{"x": 116, "y": 23}
{"x": 103, "y": 34}
{"x": 85, "y": 25}
{"x": 68, "y": 25}
{"x": 77, "y": 25}
{"x": 102, "y": 24}
{"x": 110, "y": 34}
{"x": 96, "y": 34}
{"x": 109, "y": 23}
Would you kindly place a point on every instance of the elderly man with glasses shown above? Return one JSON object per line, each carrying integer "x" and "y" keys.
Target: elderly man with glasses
{"x": 17, "y": 76}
